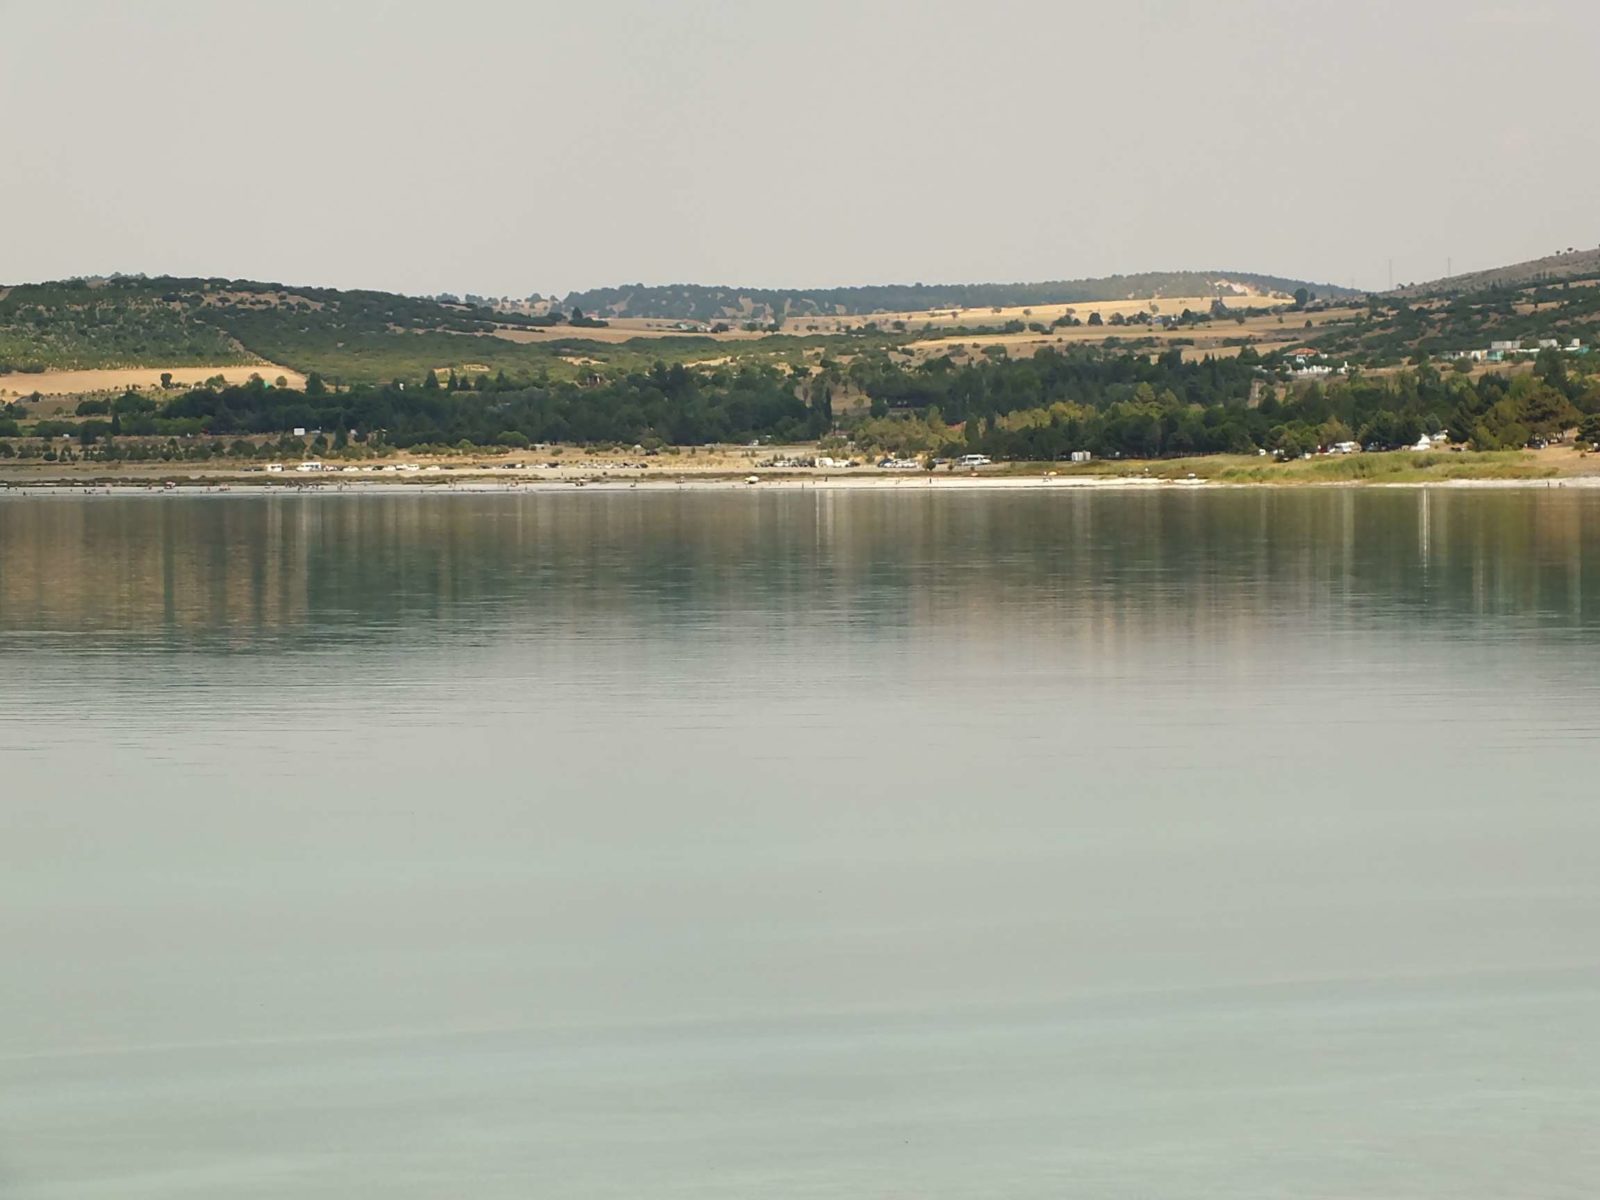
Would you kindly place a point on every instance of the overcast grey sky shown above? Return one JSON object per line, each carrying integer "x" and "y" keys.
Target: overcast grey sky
{"x": 505, "y": 148}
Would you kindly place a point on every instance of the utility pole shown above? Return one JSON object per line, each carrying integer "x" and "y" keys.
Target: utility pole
{"x": 1391, "y": 274}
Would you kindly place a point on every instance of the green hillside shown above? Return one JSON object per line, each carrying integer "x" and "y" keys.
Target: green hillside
{"x": 74, "y": 325}
{"x": 135, "y": 321}
{"x": 345, "y": 336}
{"x": 362, "y": 336}
{"x": 1397, "y": 328}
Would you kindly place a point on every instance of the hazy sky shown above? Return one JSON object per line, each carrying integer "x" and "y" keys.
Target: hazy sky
{"x": 505, "y": 148}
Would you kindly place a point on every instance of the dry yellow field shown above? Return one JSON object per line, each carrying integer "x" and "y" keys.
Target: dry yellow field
{"x": 1043, "y": 313}
{"x": 1271, "y": 330}
{"x": 120, "y": 379}
{"x": 622, "y": 329}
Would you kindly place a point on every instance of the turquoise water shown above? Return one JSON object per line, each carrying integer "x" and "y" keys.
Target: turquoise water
{"x": 1202, "y": 844}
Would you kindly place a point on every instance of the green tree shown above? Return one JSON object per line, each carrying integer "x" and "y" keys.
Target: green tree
{"x": 91, "y": 431}
{"x": 1545, "y": 410}
{"x": 1551, "y": 368}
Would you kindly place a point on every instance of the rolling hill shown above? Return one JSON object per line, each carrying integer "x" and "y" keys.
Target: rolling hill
{"x": 166, "y": 323}
{"x": 1550, "y": 300}
{"x": 169, "y": 322}
{"x": 700, "y": 302}
{"x": 1569, "y": 264}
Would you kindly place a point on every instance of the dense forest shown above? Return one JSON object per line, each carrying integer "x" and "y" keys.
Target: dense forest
{"x": 706, "y": 303}
{"x": 665, "y": 405}
{"x": 1052, "y": 404}
{"x": 1040, "y": 408}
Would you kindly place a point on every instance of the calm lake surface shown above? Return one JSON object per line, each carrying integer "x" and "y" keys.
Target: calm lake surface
{"x": 703, "y": 845}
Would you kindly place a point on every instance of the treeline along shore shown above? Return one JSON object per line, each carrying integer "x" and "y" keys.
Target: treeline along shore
{"x": 1044, "y": 408}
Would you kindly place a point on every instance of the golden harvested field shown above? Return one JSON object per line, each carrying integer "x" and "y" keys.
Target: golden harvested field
{"x": 120, "y": 379}
{"x": 1271, "y": 330}
{"x": 1043, "y": 313}
{"x": 624, "y": 329}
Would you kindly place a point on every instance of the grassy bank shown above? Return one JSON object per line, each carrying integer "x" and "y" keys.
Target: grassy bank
{"x": 1399, "y": 466}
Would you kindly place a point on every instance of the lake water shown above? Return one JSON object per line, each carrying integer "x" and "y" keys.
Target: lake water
{"x": 707, "y": 845}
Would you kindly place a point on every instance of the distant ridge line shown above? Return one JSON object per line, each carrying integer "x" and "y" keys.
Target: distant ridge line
{"x": 1566, "y": 264}
{"x": 689, "y": 301}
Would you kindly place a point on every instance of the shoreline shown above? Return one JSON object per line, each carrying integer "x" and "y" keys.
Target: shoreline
{"x": 480, "y": 485}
